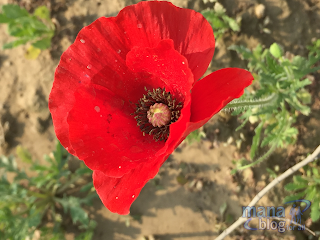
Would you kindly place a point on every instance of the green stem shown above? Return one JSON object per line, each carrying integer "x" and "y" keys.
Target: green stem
{"x": 67, "y": 184}
{"x": 283, "y": 126}
{"x": 38, "y": 195}
{"x": 251, "y": 103}
{"x": 263, "y": 157}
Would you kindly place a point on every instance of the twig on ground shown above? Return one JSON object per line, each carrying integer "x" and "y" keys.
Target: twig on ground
{"x": 271, "y": 185}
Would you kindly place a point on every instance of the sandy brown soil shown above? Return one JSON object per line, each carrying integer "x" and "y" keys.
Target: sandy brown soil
{"x": 168, "y": 210}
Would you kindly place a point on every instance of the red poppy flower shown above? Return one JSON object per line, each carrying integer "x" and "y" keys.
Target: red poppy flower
{"x": 126, "y": 94}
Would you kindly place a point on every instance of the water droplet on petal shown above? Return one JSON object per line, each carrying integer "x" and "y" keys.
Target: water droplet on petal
{"x": 97, "y": 109}
{"x": 82, "y": 40}
{"x": 133, "y": 196}
{"x": 119, "y": 51}
{"x": 139, "y": 25}
{"x": 183, "y": 62}
{"x": 119, "y": 166}
{"x": 89, "y": 66}
{"x": 100, "y": 115}
{"x": 116, "y": 197}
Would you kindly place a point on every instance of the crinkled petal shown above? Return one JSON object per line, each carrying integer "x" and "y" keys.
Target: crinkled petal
{"x": 215, "y": 91}
{"x": 147, "y": 23}
{"x": 166, "y": 64}
{"x": 102, "y": 129}
{"x": 117, "y": 194}
{"x": 98, "y": 55}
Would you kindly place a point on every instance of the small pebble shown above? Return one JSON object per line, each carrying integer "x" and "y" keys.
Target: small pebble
{"x": 259, "y": 11}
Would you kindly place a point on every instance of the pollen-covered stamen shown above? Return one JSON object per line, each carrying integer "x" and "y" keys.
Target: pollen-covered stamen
{"x": 155, "y": 112}
{"x": 159, "y": 115}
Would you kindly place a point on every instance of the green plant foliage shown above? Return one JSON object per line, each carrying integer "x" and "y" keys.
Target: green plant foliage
{"x": 280, "y": 95}
{"x": 36, "y": 28}
{"x": 24, "y": 201}
{"x": 220, "y": 21}
{"x": 195, "y": 136}
{"x": 307, "y": 186}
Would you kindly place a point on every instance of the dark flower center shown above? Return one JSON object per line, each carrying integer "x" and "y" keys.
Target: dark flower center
{"x": 155, "y": 111}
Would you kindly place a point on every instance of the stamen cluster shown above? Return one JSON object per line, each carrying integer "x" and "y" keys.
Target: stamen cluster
{"x": 147, "y": 103}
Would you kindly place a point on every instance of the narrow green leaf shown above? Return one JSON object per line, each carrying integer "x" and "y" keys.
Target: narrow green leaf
{"x": 87, "y": 187}
{"x": 294, "y": 197}
{"x": 43, "y": 43}
{"x": 242, "y": 124}
{"x": 15, "y": 43}
{"x": 24, "y": 155}
{"x": 311, "y": 193}
{"x": 299, "y": 179}
{"x": 256, "y": 140}
{"x": 294, "y": 186}
{"x": 14, "y": 11}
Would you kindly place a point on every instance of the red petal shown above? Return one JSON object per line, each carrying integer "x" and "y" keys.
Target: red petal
{"x": 146, "y": 23}
{"x": 105, "y": 135}
{"x": 117, "y": 194}
{"x": 102, "y": 130}
{"x": 215, "y": 91}
{"x": 100, "y": 50}
{"x": 165, "y": 64}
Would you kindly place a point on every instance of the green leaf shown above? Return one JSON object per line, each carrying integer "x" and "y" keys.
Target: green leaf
{"x": 15, "y": 43}
{"x": 87, "y": 187}
{"x": 72, "y": 205}
{"x": 242, "y": 124}
{"x": 315, "y": 171}
{"x": 83, "y": 170}
{"x": 14, "y": 11}
{"x": 294, "y": 186}
{"x": 43, "y": 43}
{"x": 311, "y": 193}
{"x": 294, "y": 197}
{"x": 232, "y": 23}
{"x": 276, "y": 50}
{"x": 42, "y": 12}
{"x": 315, "y": 211}
{"x": 304, "y": 96}
{"x": 4, "y": 18}
{"x": 256, "y": 140}
{"x": 24, "y": 155}
{"x": 299, "y": 179}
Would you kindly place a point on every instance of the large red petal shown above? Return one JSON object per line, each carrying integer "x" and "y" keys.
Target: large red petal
{"x": 104, "y": 134}
{"x": 215, "y": 91}
{"x": 102, "y": 129}
{"x": 166, "y": 64}
{"x": 117, "y": 194}
{"x": 146, "y": 23}
{"x": 98, "y": 54}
